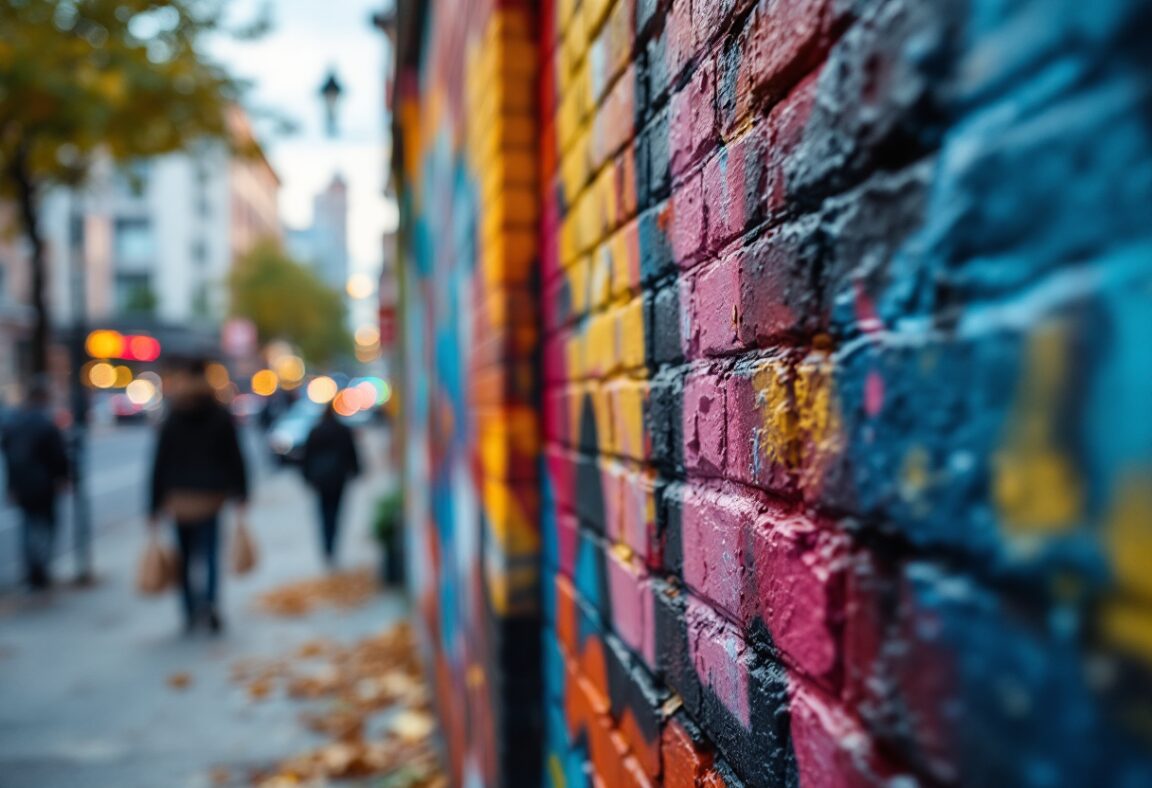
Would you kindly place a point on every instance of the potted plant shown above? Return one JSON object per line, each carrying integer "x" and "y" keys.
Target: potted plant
{"x": 388, "y": 528}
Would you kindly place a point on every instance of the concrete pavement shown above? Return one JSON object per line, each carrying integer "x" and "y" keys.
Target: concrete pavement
{"x": 84, "y": 699}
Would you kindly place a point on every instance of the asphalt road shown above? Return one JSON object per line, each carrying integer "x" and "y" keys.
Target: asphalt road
{"x": 118, "y": 458}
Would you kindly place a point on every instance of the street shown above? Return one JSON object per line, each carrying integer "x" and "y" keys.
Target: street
{"x": 88, "y": 695}
{"x": 118, "y": 458}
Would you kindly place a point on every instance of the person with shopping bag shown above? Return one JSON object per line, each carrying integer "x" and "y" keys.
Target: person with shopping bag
{"x": 198, "y": 467}
{"x": 330, "y": 460}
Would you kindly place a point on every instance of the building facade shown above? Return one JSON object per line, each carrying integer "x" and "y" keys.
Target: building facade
{"x": 777, "y": 388}
{"x": 158, "y": 237}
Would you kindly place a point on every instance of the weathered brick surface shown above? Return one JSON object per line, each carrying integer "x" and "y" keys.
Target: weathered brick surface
{"x": 842, "y": 380}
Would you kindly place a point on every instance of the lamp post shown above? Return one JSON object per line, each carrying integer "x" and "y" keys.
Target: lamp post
{"x": 81, "y": 513}
{"x": 331, "y": 91}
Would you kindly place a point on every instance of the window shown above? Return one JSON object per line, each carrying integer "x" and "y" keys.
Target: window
{"x": 201, "y": 302}
{"x": 135, "y": 243}
{"x": 134, "y": 294}
{"x": 199, "y": 252}
{"x": 134, "y": 178}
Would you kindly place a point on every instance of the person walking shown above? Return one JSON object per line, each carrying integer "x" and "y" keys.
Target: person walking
{"x": 330, "y": 460}
{"x": 198, "y": 467}
{"x": 38, "y": 469}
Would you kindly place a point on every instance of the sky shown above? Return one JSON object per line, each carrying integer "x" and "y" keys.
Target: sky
{"x": 286, "y": 67}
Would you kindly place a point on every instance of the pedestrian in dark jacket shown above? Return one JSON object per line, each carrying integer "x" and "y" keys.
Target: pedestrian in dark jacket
{"x": 37, "y": 469}
{"x": 330, "y": 460}
{"x": 198, "y": 467}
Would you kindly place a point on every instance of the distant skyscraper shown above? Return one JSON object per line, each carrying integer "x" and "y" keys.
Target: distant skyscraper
{"x": 324, "y": 245}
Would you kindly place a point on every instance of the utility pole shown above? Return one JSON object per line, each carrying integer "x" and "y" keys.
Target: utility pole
{"x": 81, "y": 511}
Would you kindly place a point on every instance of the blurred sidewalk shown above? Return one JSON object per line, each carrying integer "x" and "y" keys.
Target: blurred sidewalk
{"x": 84, "y": 698}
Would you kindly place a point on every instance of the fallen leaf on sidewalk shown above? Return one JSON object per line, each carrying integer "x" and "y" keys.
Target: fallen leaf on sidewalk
{"x": 343, "y": 590}
{"x": 180, "y": 681}
{"x": 413, "y": 725}
{"x": 375, "y": 675}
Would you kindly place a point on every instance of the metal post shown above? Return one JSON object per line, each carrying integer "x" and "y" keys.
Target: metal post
{"x": 81, "y": 512}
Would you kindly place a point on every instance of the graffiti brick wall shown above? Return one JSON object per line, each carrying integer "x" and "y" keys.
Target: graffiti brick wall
{"x": 465, "y": 119}
{"x": 845, "y": 447}
{"x": 835, "y": 371}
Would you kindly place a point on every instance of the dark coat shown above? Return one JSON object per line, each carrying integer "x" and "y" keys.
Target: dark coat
{"x": 36, "y": 458}
{"x": 198, "y": 450}
{"x": 330, "y": 456}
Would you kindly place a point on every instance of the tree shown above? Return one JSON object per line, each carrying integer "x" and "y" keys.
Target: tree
{"x": 287, "y": 301}
{"x": 84, "y": 78}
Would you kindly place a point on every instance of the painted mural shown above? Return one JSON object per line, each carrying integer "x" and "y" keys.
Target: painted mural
{"x": 465, "y": 117}
{"x": 826, "y": 410}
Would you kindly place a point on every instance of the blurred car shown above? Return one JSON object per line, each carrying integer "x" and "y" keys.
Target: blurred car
{"x": 288, "y": 433}
{"x": 125, "y": 410}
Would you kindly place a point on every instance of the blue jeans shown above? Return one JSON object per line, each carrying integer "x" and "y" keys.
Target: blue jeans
{"x": 199, "y": 544}
{"x": 37, "y": 537}
{"x": 330, "y": 521}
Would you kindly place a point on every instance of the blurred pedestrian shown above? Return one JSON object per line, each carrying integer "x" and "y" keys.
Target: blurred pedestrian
{"x": 198, "y": 467}
{"x": 38, "y": 469}
{"x": 330, "y": 460}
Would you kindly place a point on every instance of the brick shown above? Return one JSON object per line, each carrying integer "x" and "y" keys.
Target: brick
{"x": 715, "y": 309}
{"x": 629, "y": 401}
{"x": 735, "y": 183}
{"x": 832, "y": 749}
{"x": 715, "y": 531}
{"x": 785, "y": 37}
{"x": 689, "y": 230}
{"x": 631, "y": 334}
{"x": 705, "y": 423}
{"x": 656, "y": 247}
{"x": 653, "y": 151}
{"x": 639, "y": 507}
{"x": 668, "y": 305}
{"x": 692, "y": 120}
{"x": 663, "y": 420}
{"x": 686, "y": 755}
{"x": 799, "y": 588}
{"x": 679, "y": 36}
{"x": 633, "y": 611}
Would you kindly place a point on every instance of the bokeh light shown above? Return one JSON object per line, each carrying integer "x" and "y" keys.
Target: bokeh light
{"x": 105, "y": 344}
{"x": 265, "y": 382}
{"x": 140, "y": 392}
{"x": 217, "y": 375}
{"x": 123, "y": 376}
{"x": 102, "y": 375}
{"x": 360, "y": 286}
{"x": 346, "y": 402}
{"x": 290, "y": 370}
{"x": 141, "y": 348}
{"x": 152, "y": 378}
{"x": 322, "y": 389}
{"x": 367, "y": 336}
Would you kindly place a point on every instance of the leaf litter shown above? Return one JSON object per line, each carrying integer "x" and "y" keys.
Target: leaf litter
{"x": 376, "y": 714}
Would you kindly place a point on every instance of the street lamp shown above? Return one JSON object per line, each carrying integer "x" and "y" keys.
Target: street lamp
{"x": 331, "y": 91}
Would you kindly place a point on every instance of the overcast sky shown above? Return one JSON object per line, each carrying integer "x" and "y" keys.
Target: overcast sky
{"x": 287, "y": 67}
